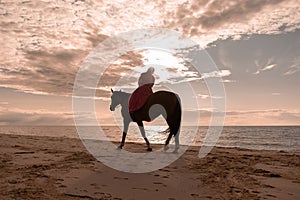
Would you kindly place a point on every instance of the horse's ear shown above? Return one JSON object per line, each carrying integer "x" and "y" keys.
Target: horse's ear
{"x": 111, "y": 90}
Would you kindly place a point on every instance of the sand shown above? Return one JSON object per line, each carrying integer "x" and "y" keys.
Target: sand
{"x": 60, "y": 168}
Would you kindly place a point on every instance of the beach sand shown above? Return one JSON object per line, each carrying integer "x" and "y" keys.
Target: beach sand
{"x": 61, "y": 168}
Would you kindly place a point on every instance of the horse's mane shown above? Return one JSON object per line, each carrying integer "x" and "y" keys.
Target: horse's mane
{"x": 121, "y": 93}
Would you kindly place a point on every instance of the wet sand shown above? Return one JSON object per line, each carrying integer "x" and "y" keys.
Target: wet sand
{"x": 61, "y": 168}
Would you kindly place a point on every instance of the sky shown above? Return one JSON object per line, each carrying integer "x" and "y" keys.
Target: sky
{"x": 254, "y": 44}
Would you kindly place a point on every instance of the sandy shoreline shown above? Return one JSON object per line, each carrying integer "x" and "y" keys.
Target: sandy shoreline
{"x": 60, "y": 168}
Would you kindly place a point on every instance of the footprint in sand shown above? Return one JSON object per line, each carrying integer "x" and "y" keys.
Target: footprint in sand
{"x": 134, "y": 188}
{"x": 157, "y": 183}
{"x": 121, "y": 178}
{"x": 164, "y": 170}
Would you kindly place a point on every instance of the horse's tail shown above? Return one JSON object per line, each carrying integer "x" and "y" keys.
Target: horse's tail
{"x": 178, "y": 114}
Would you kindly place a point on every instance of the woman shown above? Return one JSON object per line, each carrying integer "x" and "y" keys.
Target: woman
{"x": 140, "y": 95}
{"x": 147, "y": 78}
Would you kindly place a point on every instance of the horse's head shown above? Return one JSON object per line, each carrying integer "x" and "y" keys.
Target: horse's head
{"x": 115, "y": 100}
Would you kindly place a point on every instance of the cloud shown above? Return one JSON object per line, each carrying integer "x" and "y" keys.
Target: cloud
{"x": 217, "y": 19}
{"x": 246, "y": 112}
{"x": 276, "y": 93}
{"x": 23, "y": 117}
{"x": 283, "y": 115}
{"x": 53, "y": 72}
{"x": 49, "y": 71}
{"x": 126, "y": 66}
{"x": 228, "y": 81}
{"x": 267, "y": 112}
{"x": 268, "y": 67}
{"x": 292, "y": 70}
{"x": 291, "y": 117}
{"x": 246, "y": 117}
{"x": 216, "y": 74}
{"x": 44, "y": 43}
{"x": 203, "y": 96}
{"x": 3, "y": 103}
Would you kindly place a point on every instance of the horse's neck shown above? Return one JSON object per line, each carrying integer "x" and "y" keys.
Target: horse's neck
{"x": 125, "y": 98}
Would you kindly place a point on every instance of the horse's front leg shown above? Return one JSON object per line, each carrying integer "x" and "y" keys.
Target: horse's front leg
{"x": 125, "y": 129}
{"x": 142, "y": 130}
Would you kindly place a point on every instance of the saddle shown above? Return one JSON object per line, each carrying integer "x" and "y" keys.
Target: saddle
{"x": 139, "y": 97}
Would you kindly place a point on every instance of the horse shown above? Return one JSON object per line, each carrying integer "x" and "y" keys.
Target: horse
{"x": 163, "y": 103}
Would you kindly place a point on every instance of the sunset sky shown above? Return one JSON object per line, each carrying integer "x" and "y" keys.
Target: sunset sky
{"x": 255, "y": 44}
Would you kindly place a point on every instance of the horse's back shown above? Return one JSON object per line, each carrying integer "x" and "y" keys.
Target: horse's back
{"x": 163, "y": 98}
{"x": 168, "y": 100}
{"x": 163, "y": 93}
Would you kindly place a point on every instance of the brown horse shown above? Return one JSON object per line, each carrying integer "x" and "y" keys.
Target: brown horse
{"x": 159, "y": 103}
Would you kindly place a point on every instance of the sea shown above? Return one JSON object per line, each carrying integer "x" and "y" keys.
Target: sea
{"x": 280, "y": 138}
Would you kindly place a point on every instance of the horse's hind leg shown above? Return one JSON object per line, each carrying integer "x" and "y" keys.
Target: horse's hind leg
{"x": 173, "y": 132}
{"x": 142, "y": 130}
{"x": 176, "y": 142}
{"x": 171, "y": 127}
{"x": 166, "y": 147}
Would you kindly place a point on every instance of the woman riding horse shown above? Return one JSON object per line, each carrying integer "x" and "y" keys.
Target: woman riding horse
{"x": 140, "y": 95}
{"x": 144, "y": 105}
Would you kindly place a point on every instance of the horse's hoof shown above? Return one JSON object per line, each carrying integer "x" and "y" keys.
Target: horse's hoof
{"x": 119, "y": 147}
{"x": 166, "y": 148}
{"x": 149, "y": 149}
{"x": 175, "y": 151}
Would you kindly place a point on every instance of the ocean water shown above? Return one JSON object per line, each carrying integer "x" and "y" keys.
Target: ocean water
{"x": 286, "y": 138}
